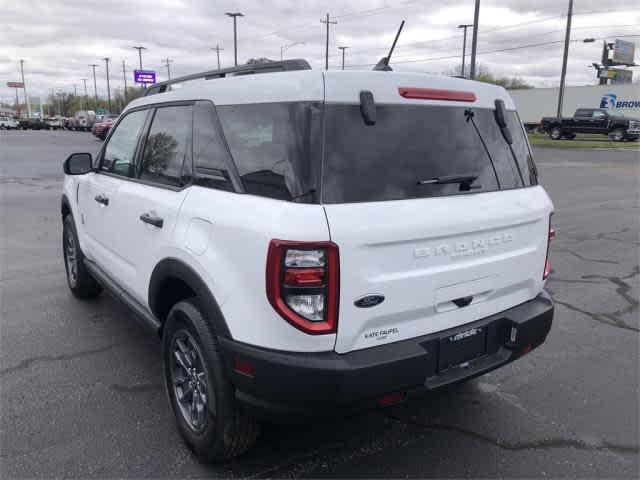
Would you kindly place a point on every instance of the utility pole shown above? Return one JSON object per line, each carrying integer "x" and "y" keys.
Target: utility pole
{"x": 167, "y": 61}
{"x": 326, "y": 50}
{"x": 84, "y": 99}
{"x": 464, "y": 45}
{"x": 343, "y": 49}
{"x": 95, "y": 85}
{"x": 106, "y": 62}
{"x": 124, "y": 77}
{"x": 235, "y": 35}
{"x": 563, "y": 75}
{"x": 24, "y": 88}
{"x": 217, "y": 49}
{"x": 474, "y": 43}
{"x": 140, "y": 54}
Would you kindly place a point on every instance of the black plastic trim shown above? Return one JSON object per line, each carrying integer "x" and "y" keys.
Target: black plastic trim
{"x": 174, "y": 268}
{"x": 320, "y": 383}
{"x": 141, "y": 313}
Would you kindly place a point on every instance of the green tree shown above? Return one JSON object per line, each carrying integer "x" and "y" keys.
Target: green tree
{"x": 483, "y": 74}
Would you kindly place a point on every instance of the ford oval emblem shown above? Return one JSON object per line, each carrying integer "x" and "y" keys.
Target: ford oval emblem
{"x": 369, "y": 301}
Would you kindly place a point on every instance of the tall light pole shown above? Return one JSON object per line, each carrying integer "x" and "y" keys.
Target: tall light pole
{"x": 124, "y": 77}
{"x": 84, "y": 99}
{"x": 24, "y": 88}
{"x": 474, "y": 43}
{"x": 567, "y": 37}
{"x": 284, "y": 48}
{"x": 217, "y": 49}
{"x": 235, "y": 15}
{"x": 106, "y": 62}
{"x": 343, "y": 49}
{"x": 464, "y": 45}
{"x": 326, "y": 50}
{"x": 95, "y": 85}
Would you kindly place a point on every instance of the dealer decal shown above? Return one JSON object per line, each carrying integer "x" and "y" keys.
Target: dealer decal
{"x": 381, "y": 334}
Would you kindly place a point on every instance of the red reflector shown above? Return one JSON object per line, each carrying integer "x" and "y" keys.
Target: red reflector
{"x": 392, "y": 399}
{"x": 243, "y": 368}
{"x": 436, "y": 94}
{"x": 304, "y": 277}
{"x": 527, "y": 349}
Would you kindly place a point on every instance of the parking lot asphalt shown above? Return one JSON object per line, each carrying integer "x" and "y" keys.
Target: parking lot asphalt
{"x": 81, "y": 389}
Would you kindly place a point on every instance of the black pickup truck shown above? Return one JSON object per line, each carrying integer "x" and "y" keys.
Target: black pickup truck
{"x": 592, "y": 120}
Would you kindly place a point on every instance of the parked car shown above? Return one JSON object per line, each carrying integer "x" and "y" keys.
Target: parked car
{"x": 32, "y": 124}
{"x": 318, "y": 242}
{"x": 8, "y": 123}
{"x": 54, "y": 123}
{"x": 593, "y": 120}
{"x": 102, "y": 129}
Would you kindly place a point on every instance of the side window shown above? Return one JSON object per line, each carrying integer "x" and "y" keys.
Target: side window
{"x": 119, "y": 152}
{"x": 581, "y": 112}
{"x": 598, "y": 114}
{"x": 168, "y": 146}
{"x": 210, "y": 157}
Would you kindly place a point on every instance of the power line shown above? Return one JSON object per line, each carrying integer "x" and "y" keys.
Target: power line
{"x": 508, "y": 49}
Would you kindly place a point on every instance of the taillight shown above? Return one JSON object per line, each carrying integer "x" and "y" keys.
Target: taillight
{"x": 547, "y": 262}
{"x": 302, "y": 284}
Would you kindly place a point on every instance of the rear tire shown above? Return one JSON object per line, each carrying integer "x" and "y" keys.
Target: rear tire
{"x": 200, "y": 392}
{"x": 617, "y": 135}
{"x": 80, "y": 281}
{"x": 555, "y": 133}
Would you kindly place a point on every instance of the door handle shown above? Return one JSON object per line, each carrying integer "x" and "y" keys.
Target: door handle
{"x": 152, "y": 219}
{"x": 101, "y": 199}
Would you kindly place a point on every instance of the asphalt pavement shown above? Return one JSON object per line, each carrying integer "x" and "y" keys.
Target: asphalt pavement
{"x": 81, "y": 389}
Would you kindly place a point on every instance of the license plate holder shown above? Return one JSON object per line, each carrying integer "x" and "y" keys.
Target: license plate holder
{"x": 462, "y": 347}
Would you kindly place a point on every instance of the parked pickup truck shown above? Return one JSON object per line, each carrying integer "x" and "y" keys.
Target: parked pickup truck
{"x": 592, "y": 120}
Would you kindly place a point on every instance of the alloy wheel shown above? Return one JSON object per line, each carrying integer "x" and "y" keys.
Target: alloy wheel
{"x": 189, "y": 380}
{"x": 71, "y": 257}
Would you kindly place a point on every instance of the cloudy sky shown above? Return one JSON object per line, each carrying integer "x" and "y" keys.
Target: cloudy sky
{"x": 59, "y": 38}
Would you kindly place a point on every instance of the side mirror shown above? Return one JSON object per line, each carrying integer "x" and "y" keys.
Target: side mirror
{"x": 78, "y": 164}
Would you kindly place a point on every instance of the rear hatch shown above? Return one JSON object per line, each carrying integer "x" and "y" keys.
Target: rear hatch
{"x": 440, "y": 254}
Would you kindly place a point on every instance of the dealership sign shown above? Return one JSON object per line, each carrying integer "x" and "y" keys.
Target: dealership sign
{"x": 610, "y": 100}
{"x": 144, "y": 76}
{"x": 15, "y": 84}
{"x": 623, "y": 52}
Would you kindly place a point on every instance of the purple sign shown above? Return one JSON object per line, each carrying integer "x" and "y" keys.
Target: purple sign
{"x": 144, "y": 76}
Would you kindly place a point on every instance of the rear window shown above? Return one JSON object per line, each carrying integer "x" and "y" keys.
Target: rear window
{"x": 409, "y": 144}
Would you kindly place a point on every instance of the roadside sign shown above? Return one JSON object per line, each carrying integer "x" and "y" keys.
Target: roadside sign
{"x": 15, "y": 84}
{"x": 144, "y": 76}
{"x": 101, "y": 111}
{"x": 623, "y": 52}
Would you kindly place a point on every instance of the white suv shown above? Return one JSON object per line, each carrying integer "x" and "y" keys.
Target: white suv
{"x": 8, "y": 123}
{"x": 308, "y": 242}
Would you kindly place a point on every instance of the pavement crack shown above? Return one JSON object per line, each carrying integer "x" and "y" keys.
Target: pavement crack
{"x": 542, "y": 444}
{"x": 606, "y": 318}
{"x": 586, "y": 259}
{"x": 53, "y": 358}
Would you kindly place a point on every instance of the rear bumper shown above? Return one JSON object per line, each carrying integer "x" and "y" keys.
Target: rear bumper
{"x": 287, "y": 385}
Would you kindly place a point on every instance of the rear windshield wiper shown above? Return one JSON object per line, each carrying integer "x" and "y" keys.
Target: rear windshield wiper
{"x": 464, "y": 180}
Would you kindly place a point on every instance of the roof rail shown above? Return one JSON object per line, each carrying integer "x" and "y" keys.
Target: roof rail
{"x": 248, "y": 69}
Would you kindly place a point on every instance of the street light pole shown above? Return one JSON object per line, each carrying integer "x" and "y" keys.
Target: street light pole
{"x": 95, "y": 85}
{"x": 343, "y": 49}
{"x": 24, "y": 88}
{"x": 474, "y": 43}
{"x": 235, "y": 15}
{"x": 167, "y": 61}
{"x": 567, "y": 37}
{"x": 464, "y": 46}
{"x": 140, "y": 54}
{"x": 106, "y": 62}
{"x": 124, "y": 77}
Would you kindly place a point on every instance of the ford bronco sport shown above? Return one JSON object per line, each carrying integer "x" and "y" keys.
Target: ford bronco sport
{"x": 307, "y": 242}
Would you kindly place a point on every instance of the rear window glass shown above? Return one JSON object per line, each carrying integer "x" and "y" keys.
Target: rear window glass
{"x": 409, "y": 144}
{"x": 269, "y": 144}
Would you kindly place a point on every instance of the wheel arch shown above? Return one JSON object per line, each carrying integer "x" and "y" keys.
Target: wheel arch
{"x": 173, "y": 280}
{"x": 65, "y": 206}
